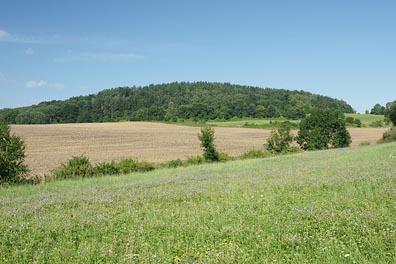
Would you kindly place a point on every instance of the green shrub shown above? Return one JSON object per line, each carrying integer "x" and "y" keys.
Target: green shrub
{"x": 377, "y": 123}
{"x": 389, "y": 136}
{"x": 255, "y": 154}
{"x": 280, "y": 140}
{"x": 174, "y": 163}
{"x": 207, "y": 143}
{"x": 129, "y": 165}
{"x": 356, "y": 122}
{"x": 76, "y": 167}
{"x": 105, "y": 168}
{"x": 195, "y": 160}
{"x": 364, "y": 143}
{"x": 12, "y": 156}
{"x": 224, "y": 157}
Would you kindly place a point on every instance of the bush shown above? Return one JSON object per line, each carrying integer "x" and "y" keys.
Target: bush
{"x": 364, "y": 143}
{"x": 224, "y": 157}
{"x": 76, "y": 167}
{"x": 255, "y": 154}
{"x": 323, "y": 129}
{"x": 353, "y": 121}
{"x": 377, "y": 123}
{"x": 12, "y": 156}
{"x": 196, "y": 160}
{"x": 207, "y": 143}
{"x": 174, "y": 163}
{"x": 129, "y": 165}
{"x": 280, "y": 140}
{"x": 105, "y": 168}
{"x": 389, "y": 136}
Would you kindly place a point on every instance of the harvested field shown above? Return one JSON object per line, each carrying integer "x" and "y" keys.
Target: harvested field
{"x": 47, "y": 146}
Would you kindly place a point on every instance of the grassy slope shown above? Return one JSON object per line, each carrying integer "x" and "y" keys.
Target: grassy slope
{"x": 327, "y": 206}
{"x": 365, "y": 119}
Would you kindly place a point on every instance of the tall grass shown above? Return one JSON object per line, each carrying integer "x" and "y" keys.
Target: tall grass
{"x": 335, "y": 206}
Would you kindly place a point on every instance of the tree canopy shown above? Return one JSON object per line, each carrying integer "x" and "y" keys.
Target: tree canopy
{"x": 175, "y": 101}
{"x": 378, "y": 110}
{"x": 390, "y": 112}
{"x": 12, "y": 156}
{"x": 322, "y": 129}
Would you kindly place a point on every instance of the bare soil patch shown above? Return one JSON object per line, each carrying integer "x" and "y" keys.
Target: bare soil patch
{"x": 47, "y": 146}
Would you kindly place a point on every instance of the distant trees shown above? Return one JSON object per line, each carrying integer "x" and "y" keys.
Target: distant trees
{"x": 12, "y": 156}
{"x": 173, "y": 102}
{"x": 323, "y": 129}
{"x": 378, "y": 110}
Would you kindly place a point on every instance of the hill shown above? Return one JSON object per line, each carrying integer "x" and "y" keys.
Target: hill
{"x": 334, "y": 206}
{"x": 173, "y": 102}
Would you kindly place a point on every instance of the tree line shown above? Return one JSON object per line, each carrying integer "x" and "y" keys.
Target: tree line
{"x": 175, "y": 102}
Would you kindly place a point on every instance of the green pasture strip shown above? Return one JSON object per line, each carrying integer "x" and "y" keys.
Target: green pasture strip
{"x": 334, "y": 206}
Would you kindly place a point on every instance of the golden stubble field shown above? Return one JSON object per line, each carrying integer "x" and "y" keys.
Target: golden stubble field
{"x": 47, "y": 146}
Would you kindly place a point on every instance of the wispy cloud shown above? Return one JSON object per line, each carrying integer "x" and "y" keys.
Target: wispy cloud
{"x": 29, "y": 51}
{"x": 44, "y": 84}
{"x": 100, "y": 56}
{"x": 6, "y": 36}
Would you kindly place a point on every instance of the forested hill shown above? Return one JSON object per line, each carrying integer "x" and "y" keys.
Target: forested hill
{"x": 175, "y": 101}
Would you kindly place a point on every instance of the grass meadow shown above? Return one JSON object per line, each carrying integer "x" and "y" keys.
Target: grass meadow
{"x": 366, "y": 120}
{"x": 334, "y": 206}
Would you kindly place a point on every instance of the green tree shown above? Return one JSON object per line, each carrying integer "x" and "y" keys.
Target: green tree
{"x": 207, "y": 143}
{"x": 280, "y": 140}
{"x": 323, "y": 129}
{"x": 390, "y": 112}
{"x": 31, "y": 117}
{"x": 378, "y": 110}
{"x": 12, "y": 156}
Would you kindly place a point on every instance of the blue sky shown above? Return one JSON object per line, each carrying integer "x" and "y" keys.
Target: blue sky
{"x": 59, "y": 49}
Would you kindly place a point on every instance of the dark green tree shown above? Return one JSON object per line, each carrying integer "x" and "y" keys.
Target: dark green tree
{"x": 323, "y": 129}
{"x": 377, "y": 110}
{"x": 390, "y": 112}
{"x": 12, "y": 156}
{"x": 207, "y": 143}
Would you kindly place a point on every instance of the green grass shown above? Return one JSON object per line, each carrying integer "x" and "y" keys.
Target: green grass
{"x": 252, "y": 122}
{"x": 270, "y": 123}
{"x": 335, "y": 206}
{"x": 366, "y": 119}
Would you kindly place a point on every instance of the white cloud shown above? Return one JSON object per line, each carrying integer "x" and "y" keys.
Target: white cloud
{"x": 29, "y": 51}
{"x": 44, "y": 84}
{"x": 3, "y": 34}
{"x": 33, "y": 84}
{"x": 100, "y": 56}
